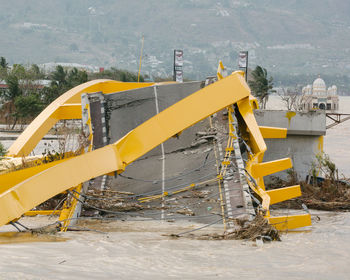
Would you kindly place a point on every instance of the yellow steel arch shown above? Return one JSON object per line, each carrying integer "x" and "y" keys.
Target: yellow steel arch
{"x": 67, "y": 106}
{"x": 20, "y": 198}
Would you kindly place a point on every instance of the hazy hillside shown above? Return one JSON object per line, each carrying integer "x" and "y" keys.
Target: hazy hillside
{"x": 286, "y": 37}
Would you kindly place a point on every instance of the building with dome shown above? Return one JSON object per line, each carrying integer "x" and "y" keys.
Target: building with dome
{"x": 318, "y": 96}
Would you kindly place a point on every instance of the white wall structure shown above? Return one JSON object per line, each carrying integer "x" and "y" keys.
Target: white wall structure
{"x": 304, "y": 138}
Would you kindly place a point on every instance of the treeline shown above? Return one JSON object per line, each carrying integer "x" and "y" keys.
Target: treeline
{"x": 26, "y": 96}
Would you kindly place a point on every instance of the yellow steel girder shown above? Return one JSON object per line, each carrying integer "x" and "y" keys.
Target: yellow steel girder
{"x": 273, "y": 132}
{"x": 68, "y": 112}
{"x": 42, "y": 212}
{"x": 285, "y": 223}
{"x": 282, "y": 194}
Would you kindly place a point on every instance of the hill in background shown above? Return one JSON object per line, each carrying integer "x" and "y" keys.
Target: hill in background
{"x": 294, "y": 40}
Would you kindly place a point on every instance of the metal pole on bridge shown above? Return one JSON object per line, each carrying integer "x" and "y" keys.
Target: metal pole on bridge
{"x": 243, "y": 63}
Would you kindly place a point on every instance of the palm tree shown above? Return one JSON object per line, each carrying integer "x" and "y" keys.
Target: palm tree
{"x": 260, "y": 85}
{"x": 3, "y": 68}
{"x": 59, "y": 76}
{"x": 10, "y": 96}
{"x": 3, "y": 62}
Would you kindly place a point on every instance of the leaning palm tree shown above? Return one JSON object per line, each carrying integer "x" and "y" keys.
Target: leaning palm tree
{"x": 260, "y": 85}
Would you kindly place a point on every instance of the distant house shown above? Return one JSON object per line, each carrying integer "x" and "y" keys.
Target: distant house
{"x": 51, "y": 66}
{"x": 37, "y": 84}
{"x": 318, "y": 96}
{"x": 3, "y": 86}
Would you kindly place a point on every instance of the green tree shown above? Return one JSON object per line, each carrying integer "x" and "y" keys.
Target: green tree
{"x": 260, "y": 85}
{"x": 19, "y": 71}
{"x": 13, "y": 88}
{"x": 59, "y": 76}
{"x": 27, "y": 106}
{"x": 3, "y": 68}
{"x": 2, "y": 150}
{"x": 62, "y": 81}
{"x": 3, "y": 62}
{"x": 49, "y": 94}
{"x": 76, "y": 77}
{"x": 116, "y": 74}
{"x": 34, "y": 73}
{"x": 10, "y": 96}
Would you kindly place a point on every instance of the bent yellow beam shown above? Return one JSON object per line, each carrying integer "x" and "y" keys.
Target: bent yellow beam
{"x": 270, "y": 167}
{"x": 31, "y": 136}
{"x": 115, "y": 157}
{"x": 282, "y": 194}
{"x": 42, "y": 212}
{"x": 284, "y": 223}
{"x": 273, "y": 132}
{"x": 11, "y": 179}
{"x": 68, "y": 112}
{"x": 31, "y": 192}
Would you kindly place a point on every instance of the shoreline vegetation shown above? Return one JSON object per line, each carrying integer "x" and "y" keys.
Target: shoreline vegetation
{"x": 27, "y": 90}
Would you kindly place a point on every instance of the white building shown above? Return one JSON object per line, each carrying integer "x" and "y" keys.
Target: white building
{"x": 318, "y": 96}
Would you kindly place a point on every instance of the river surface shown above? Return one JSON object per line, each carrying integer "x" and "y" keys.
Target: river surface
{"x": 143, "y": 250}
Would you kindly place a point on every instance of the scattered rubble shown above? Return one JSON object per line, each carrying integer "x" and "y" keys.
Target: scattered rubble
{"x": 185, "y": 211}
{"x": 259, "y": 228}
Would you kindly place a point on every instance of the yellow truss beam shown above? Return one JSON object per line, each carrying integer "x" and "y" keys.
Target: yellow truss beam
{"x": 68, "y": 112}
{"x": 64, "y": 175}
{"x": 42, "y": 212}
{"x": 270, "y": 167}
{"x": 285, "y": 223}
{"x": 282, "y": 194}
{"x": 273, "y": 132}
{"x": 8, "y": 180}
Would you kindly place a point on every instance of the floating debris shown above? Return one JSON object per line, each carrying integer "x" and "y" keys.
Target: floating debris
{"x": 259, "y": 228}
{"x": 185, "y": 211}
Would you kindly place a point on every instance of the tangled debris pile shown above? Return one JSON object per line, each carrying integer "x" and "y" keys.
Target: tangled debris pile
{"x": 324, "y": 195}
{"x": 111, "y": 200}
{"x": 259, "y": 228}
{"x": 327, "y": 195}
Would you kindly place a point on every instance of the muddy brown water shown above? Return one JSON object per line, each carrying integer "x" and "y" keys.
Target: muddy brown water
{"x": 143, "y": 250}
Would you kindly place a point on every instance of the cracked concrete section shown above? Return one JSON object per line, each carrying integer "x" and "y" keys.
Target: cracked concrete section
{"x": 192, "y": 157}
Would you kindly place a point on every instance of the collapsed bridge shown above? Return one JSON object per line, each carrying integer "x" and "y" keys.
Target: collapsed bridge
{"x": 157, "y": 141}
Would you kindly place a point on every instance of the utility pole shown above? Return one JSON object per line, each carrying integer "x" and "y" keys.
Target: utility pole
{"x": 138, "y": 76}
{"x": 243, "y": 63}
{"x": 178, "y": 63}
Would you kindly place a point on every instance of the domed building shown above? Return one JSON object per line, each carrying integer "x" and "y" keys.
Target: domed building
{"x": 318, "y": 96}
